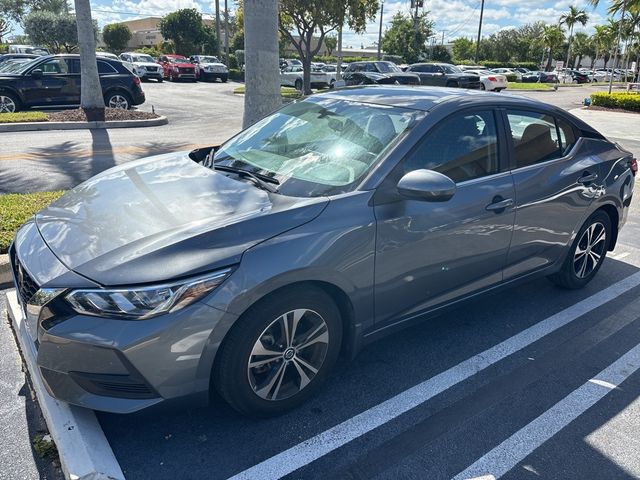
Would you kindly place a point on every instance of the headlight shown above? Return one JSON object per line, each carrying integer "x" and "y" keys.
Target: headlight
{"x": 144, "y": 302}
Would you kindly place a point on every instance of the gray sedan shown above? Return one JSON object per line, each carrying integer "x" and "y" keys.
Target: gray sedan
{"x": 249, "y": 268}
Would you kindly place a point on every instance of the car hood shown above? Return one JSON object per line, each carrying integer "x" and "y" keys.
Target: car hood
{"x": 162, "y": 218}
{"x": 183, "y": 65}
{"x": 212, "y": 64}
{"x": 145, "y": 64}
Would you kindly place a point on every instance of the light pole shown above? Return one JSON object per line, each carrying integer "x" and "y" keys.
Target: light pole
{"x": 479, "y": 32}
{"x": 615, "y": 54}
{"x": 380, "y": 31}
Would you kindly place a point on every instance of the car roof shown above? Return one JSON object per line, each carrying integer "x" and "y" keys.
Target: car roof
{"x": 426, "y": 98}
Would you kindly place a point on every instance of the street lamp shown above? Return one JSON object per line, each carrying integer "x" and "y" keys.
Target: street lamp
{"x": 479, "y": 32}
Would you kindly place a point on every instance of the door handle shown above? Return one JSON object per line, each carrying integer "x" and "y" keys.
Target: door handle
{"x": 587, "y": 178}
{"x": 499, "y": 204}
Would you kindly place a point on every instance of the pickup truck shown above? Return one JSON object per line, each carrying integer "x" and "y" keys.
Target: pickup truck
{"x": 292, "y": 76}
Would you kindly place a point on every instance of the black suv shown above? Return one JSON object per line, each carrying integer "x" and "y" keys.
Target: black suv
{"x": 54, "y": 81}
{"x": 444, "y": 75}
{"x": 385, "y": 73}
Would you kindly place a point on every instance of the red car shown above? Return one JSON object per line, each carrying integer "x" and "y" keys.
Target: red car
{"x": 177, "y": 67}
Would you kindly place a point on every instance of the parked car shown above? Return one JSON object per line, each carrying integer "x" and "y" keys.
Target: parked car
{"x": 14, "y": 64}
{"x": 289, "y": 62}
{"x": 383, "y": 73}
{"x": 177, "y": 67}
{"x": 539, "y": 77}
{"x": 210, "y": 68}
{"x": 444, "y": 75}
{"x": 293, "y": 77}
{"x": 145, "y": 66}
{"x": 13, "y": 56}
{"x": 248, "y": 268}
{"x": 109, "y": 55}
{"x": 509, "y": 72}
{"x": 522, "y": 70}
{"x": 593, "y": 75}
{"x": 28, "y": 49}
{"x": 576, "y": 76}
{"x": 54, "y": 81}
{"x": 490, "y": 81}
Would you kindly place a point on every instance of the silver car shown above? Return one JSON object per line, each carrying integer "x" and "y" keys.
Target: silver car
{"x": 250, "y": 267}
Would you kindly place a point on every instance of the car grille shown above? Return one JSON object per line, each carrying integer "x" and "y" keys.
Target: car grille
{"x": 186, "y": 70}
{"x": 26, "y": 286}
{"x": 119, "y": 386}
{"x": 152, "y": 69}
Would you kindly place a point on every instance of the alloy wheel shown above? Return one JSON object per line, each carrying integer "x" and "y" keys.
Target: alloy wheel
{"x": 288, "y": 354}
{"x": 118, "y": 101}
{"x": 7, "y": 105}
{"x": 590, "y": 249}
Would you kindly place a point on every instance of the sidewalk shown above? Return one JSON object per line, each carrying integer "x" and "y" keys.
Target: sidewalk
{"x": 616, "y": 125}
{"x": 20, "y": 417}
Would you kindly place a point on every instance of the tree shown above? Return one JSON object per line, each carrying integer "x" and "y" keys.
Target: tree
{"x": 57, "y": 32}
{"x": 4, "y": 28}
{"x": 331, "y": 42}
{"x": 569, "y": 19}
{"x": 320, "y": 17}
{"x": 210, "y": 42}
{"x": 16, "y": 10}
{"x": 552, "y": 39}
{"x": 603, "y": 39}
{"x": 262, "y": 78}
{"x": 463, "y": 49}
{"x": 440, "y": 53}
{"x": 185, "y": 29}
{"x": 116, "y": 36}
{"x": 91, "y": 100}
{"x": 582, "y": 46}
{"x": 402, "y": 37}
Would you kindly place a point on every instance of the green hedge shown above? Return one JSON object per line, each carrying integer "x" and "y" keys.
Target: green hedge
{"x": 625, "y": 101}
{"x": 235, "y": 74}
{"x": 511, "y": 77}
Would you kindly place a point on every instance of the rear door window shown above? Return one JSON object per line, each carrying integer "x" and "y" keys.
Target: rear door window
{"x": 534, "y": 136}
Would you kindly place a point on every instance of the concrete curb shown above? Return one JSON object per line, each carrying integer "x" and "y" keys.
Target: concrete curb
{"x": 5, "y": 272}
{"x": 40, "y": 126}
{"x": 85, "y": 453}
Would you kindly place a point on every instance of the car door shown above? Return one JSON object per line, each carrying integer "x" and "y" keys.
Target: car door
{"x": 52, "y": 88}
{"x": 430, "y": 253}
{"x": 555, "y": 184}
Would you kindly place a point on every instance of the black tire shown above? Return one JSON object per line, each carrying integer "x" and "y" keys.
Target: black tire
{"x": 7, "y": 102}
{"x": 332, "y": 84}
{"x": 160, "y": 80}
{"x": 224, "y": 78}
{"x": 482, "y": 87}
{"x": 231, "y": 373}
{"x": 298, "y": 84}
{"x": 452, "y": 84}
{"x": 567, "y": 277}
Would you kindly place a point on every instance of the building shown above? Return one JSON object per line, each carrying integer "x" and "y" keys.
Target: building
{"x": 145, "y": 32}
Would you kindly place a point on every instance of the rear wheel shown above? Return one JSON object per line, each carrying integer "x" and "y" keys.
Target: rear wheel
{"x": 587, "y": 253}
{"x": 482, "y": 87}
{"x": 9, "y": 103}
{"x": 298, "y": 84}
{"x": 118, "y": 99}
{"x": 452, "y": 84}
{"x": 279, "y": 353}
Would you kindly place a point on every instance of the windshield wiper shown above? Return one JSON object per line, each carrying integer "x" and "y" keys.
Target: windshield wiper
{"x": 261, "y": 181}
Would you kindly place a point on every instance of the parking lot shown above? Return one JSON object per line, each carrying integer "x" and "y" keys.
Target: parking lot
{"x": 530, "y": 382}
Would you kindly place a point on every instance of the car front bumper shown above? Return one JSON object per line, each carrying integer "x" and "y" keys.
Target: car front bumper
{"x": 109, "y": 364}
{"x": 213, "y": 75}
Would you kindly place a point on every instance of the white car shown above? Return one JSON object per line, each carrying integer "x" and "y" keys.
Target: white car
{"x": 109, "y": 55}
{"x": 492, "y": 82}
{"x": 293, "y": 77}
{"x": 508, "y": 71}
{"x": 210, "y": 68}
{"x": 145, "y": 65}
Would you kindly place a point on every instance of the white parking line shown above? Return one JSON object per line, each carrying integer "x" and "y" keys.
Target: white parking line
{"x": 620, "y": 256}
{"x": 306, "y": 452}
{"x": 514, "y": 449}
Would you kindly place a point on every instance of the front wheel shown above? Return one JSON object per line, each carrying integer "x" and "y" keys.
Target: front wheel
{"x": 298, "y": 85}
{"x": 279, "y": 353}
{"x": 224, "y": 78}
{"x": 160, "y": 80}
{"x": 586, "y": 254}
{"x": 9, "y": 103}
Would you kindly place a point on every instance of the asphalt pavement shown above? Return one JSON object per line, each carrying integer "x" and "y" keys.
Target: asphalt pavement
{"x": 531, "y": 382}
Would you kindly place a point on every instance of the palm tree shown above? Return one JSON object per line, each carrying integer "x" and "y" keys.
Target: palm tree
{"x": 603, "y": 41}
{"x": 91, "y": 99}
{"x": 569, "y": 19}
{"x": 262, "y": 78}
{"x": 552, "y": 38}
{"x": 581, "y": 47}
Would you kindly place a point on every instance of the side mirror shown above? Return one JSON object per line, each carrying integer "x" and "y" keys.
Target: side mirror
{"x": 37, "y": 73}
{"x": 426, "y": 185}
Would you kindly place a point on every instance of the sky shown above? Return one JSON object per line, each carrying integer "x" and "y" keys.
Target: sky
{"x": 455, "y": 18}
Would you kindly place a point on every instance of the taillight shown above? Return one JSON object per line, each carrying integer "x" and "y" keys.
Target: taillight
{"x": 136, "y": 80}
{"x": 633, "y": 165}
{"x": 493, "y": 79}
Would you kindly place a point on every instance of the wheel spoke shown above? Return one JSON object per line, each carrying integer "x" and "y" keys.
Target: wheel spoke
{"x": 583, "y": 268}
{"x": 260, "y": 349}
{"x": 264, "y": 391}
{"x": 306, "y": 364}
{"x": 264, "y": 361}
{"x": 601, "y": 236}
{"x": 285, "y": 327}
{"x": 315, "y": 338}
{"x": 297, "y": 315}
{"x": 304, "y": 378}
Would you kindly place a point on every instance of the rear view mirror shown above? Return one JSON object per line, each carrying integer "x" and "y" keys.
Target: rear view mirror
{"x": 426, "y": 185}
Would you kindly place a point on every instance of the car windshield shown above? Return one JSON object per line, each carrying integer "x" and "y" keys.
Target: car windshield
{"x": 23, "y": 67}
{"x": 386, "y": 67}
{"x": 209, "y": 60}
{"x": 483, "y": 72}
{"x": 142, "y": 58}
{"x": 451, "y": 69}
{"x": 14, "y": 65}
{"x": 319, "y": 146}
{"x": 177, "y": 60}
